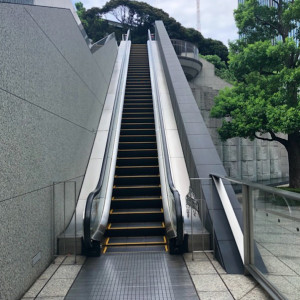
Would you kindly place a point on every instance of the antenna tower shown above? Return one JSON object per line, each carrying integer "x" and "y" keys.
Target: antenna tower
{"x": 198, "y": 15}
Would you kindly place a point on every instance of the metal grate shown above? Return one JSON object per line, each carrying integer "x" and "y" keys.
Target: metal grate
{"x": 140, "y": 276}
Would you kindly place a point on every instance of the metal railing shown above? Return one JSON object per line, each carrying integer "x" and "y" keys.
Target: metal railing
{"x": 172, "y": 193}
{"x": 186, "y": 49}
{"x": 97, "y": 199}
{"x": 102, "y": 42}
{"x": 271, "y": 238}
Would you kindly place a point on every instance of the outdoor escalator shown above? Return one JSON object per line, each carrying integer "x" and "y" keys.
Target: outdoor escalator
{"x": 136, "y": 218}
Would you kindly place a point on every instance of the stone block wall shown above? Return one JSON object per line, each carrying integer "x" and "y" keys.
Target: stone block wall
{"x": 52, "y": 92}
{"x": 251, "y": 160}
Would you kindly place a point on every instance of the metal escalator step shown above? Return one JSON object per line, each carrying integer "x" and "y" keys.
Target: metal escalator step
{"x": 137, "y": 145}
{"x": 137, "y": 170}
{"x": 136, "y": 215}
{"x": 124, "y": 249}
{"x": 137, "y": 161}
{"x": 135, "y": 229}
{"x": 136, "y": 202}
{"x": 137, "y": 180}
{"x": 137, "y": 138}
{"x": 137, "y": 152}
{"x": 135, "y": 240}
{"x": 136, "y": 190}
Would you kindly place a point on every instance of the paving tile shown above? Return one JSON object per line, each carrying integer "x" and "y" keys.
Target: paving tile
{"x": 67, "y": 271}
{"x": 70, "y": 260}
{"x": 200, "y": 267}
{"x": 257, "y": 294}
{"x": 215, "y": 296}
{"x": 209, "y": 283}
{"x": 59, "y": 259}
{"x": 218, "y": 267}
{"x": 49, "y": 271}
{"x": 239, "y": 285}
{"x": 50, "y": 298}
{"x": 197, "y": 256}
{"x": 35, "y": 288}
{"x": 56, "y": 288}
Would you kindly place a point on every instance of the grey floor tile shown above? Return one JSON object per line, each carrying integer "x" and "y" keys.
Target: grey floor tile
{"x": 209, "y": 283}
{"x": 239, "y": 285}
{"x": 215, "y": 296}
{"x": 35, "y": 288}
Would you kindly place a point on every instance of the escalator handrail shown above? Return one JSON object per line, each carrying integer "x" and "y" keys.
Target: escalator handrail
{"x": 89, "y": 203}
{"x": 177, "y": 201}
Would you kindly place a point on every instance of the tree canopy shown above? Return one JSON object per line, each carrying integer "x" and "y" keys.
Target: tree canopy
{"x": 264, "y": 101}
{"x": 139, "y": 17}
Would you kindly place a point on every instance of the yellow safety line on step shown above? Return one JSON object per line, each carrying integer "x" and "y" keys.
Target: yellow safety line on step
{"x": 111, "y": 211}
{"x": 109, "y": 226}
{"x": 104, "y": 250}
{"x": 162, "y": 210}
{"x": 137, "y": 243}
{"x": 136, "y": 186}
{"x": 106, "y": 242}
{"x": 163, "y": 224}
{"x": 143, "y": 227}
{"x": 137, "y": 212}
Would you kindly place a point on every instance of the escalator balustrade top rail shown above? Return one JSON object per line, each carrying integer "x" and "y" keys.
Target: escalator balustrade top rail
{"x": 88, "y": 243}
{"x": 177, "y": 201}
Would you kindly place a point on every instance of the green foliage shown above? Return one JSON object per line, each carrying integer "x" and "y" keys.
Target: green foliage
{"x": 265, "y": 62}
{"x": 139, "y": 17}
{"x": 221, "y": 69}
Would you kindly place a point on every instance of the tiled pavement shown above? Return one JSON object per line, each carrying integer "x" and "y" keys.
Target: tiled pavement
{"x": 143, "y": 276}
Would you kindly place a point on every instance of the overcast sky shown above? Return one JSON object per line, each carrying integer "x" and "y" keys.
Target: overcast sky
{"x": 216, "y": 16}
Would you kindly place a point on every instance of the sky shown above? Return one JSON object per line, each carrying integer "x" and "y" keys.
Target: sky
{"x": 216, "y": 16}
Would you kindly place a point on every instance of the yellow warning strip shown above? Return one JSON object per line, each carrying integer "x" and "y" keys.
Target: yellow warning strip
{"x": 136, "y": 187}
{"x": 163, "y": 224}
{"x": 109, "y": 226}
{"x": 136, "y": 212}
{"x": 137, "y": 243}
{"x": 137, "y": 157}
{"x": 166, "y": 246}
{"x": 144, "y": 227}
{"x": 137, "y": 176}
{"x": 136, "y": 167}
{"x": 104, "y": 250}
{"x": 126, "y": 199}
{"x": 106, "y": 241}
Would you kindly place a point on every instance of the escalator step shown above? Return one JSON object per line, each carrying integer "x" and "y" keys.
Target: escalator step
{"x": 137, "y": 161}
{"x": 136, "y": 190}
{"x": 137, "y": 179}
{"x": 147, "y": 248}
{"x": 136, "y": 202}
{"x": 137, "y": 170}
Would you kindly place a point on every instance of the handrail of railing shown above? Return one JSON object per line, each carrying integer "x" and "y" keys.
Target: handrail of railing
{"x": 184, "y": 48}
{"x": 102, "y": 42}
{"x": 93, "y": 194}
{"x": 262, "y": 187}
{"x": 179, "y": 218}
{"x": 260, "y": 229}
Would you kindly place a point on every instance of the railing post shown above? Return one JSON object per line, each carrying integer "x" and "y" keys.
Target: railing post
{"x": 247, "y": 209}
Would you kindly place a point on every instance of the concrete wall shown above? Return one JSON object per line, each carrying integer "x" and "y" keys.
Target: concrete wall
{"x": 250, "y": 160}
{"x": 200, "y": 154}
{"x": 52, "y": 91}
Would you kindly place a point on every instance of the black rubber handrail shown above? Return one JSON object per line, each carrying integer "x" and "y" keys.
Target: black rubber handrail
{"x": 178, "y": 208}
{"x": 89, "y": 203}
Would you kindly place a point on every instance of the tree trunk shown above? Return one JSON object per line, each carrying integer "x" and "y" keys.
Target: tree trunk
{"x": 293, "y": 149}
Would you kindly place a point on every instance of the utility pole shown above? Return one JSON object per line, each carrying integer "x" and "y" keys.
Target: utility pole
{"x": 198, "y": 15}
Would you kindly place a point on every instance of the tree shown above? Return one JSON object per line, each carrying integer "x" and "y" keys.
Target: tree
{"x": 221, "y": 69}
{"x": 264, "y": 101}
{"x": 139, "y": 17}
